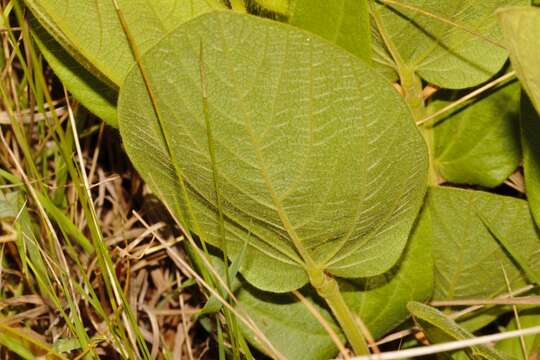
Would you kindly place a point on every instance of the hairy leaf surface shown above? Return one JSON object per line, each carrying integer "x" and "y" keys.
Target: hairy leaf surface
{"x": 521, "y": 28}
{"x": 468, "y": 258}
{"x": 445, "y": 40}
{"x": 316, "y": 155}
{"x": 479, "y": 144}
{"x": 343, "y": 22}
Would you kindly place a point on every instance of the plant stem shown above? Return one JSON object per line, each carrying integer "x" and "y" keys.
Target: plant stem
{"x": 328, "y": 288}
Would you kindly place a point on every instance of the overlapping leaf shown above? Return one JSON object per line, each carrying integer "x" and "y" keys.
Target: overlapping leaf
{"x": 444, "y": 41}
{"x": 343, "y": 22}
{"x": 521, "y": 28}
{"x": 469, "y": 260}
{"x": 480, "y": 144}
{"x": 87, "y": 47}
{"x": 316, "y": 155}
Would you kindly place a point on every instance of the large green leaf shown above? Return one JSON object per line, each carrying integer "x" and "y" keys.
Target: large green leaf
{"x": 312, "y": 146}
{"x": 530, "y": 140}
{"x": 521, "y": 28}
{"x": 448, "y": 48}
{"x": 343, "y": 22}
{"x": 468, "y": 258}
{"x": 480, "y": 144}
{"x": 440, "y": 328}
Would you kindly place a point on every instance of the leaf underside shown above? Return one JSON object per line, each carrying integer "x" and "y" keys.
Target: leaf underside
{"x": 303, "y": 149}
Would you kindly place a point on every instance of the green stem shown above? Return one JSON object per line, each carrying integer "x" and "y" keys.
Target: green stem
{"x": 328, "y": 288}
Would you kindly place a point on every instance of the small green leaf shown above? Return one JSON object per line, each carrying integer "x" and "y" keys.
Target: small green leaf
{"x": 439, "y": 328}
{"x": 521, "y": 28}
{"x": 468, "y": 259}
{"x": 444, "y": 41}
{"x": 530, "y": 140}
{"x": 317, "y": 155}
{"x": 343, "y": 22}
{"x": 480, "y": 144}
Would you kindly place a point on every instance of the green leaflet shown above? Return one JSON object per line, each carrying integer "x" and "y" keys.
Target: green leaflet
{"x": 287, "y": 322}
{"x": 462, "y": 270}
{"x": 343, "y": 22}
{"x": 87, "y": 48}
{"x": 444, "y": 53}
{"x": 521, "y": 28}
{"x": 528, "y": 318}
{"x": 288, "y": 113}
{"x": 479, "y": 144}
{"x": 530, "y": 140}
{"x": 439, "y": 328}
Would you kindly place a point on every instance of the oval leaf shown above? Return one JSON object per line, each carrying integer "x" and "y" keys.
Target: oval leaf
{"x": 316, "y": 155}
